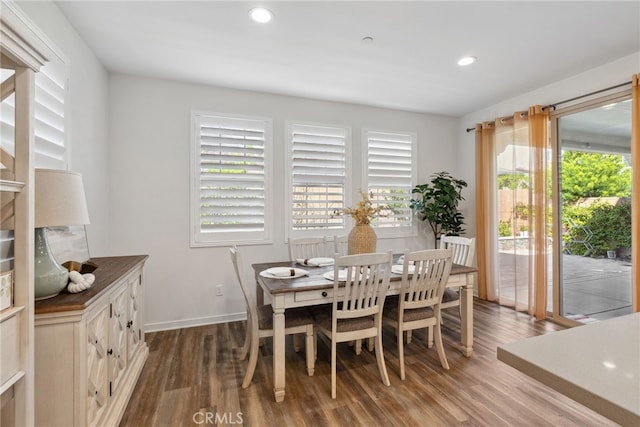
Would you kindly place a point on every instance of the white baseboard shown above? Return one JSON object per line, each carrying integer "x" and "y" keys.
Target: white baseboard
{"x": 189, "y": 323}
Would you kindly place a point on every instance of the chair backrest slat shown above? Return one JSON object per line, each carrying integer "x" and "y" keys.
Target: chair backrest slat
{"x": 464, "y": 249}
{"x": 426, "y": 285}
{"x": 366, "y": 285}
{"x": 307, "y": 247}
{"x": 341, "y": 245}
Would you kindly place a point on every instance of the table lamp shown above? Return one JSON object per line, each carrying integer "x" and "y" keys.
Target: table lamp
{"x": 59, "y": 201}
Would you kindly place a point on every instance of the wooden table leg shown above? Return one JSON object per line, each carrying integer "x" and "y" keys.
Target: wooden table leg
{"x": 259, "y": 293}
{"x": 466, "y": 320}
{"x": 278, "y": 349}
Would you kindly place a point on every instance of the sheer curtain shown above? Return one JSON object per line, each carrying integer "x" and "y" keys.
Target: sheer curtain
{"x": 635, "y": 195}
{"x": 511, "y": 210}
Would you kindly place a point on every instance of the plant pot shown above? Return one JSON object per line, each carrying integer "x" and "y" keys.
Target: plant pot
{"x": 362, "y": 239}
{"x": 611, "y": 254}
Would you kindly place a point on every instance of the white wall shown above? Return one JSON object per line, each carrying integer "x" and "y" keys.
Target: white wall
{"x": 149, "y": 149}
{"x": 87, "y": 108}
{"x": 610, "y": 74}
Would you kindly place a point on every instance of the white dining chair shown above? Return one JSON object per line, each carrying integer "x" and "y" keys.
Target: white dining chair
{"x": 360, "y": 284}
{"x": 260, "y": 324}
{"x": 424, "y": 277}
{"x": 463, "y": 253}
{"x": 464, "y": 250}
{"x": 307, "y": 247}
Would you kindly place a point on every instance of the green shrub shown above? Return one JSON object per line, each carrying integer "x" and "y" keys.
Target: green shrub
{"x": 504, "y": 228}
{"x": 610, "y": 227}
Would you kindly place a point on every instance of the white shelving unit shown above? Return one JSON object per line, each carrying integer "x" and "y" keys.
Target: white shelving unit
{"x": 24, "y": 52}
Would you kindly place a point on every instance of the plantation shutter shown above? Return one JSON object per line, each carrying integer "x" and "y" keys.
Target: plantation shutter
{"x": 49, "y": 117}
{"x": 49, "y": 143}
{"x": 318, "y": 164}
{"x": 231, "y": 178}
{"x": 390, "y": 175}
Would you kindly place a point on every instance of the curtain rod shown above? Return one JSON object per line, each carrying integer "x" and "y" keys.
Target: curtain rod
{"x": 554, "y": 105}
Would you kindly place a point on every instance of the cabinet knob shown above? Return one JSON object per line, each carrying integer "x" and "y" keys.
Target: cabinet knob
{"x": 129, "y": 324}
{"x": 110, "y": 352}
{"x": 324, "y": 293}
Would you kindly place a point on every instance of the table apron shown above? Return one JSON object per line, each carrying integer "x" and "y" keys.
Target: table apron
{"x": 325, "y": 296}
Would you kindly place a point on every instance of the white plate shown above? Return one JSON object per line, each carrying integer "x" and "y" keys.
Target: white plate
{"x": 274, "y": 273}
{"x": 401, "y": 260}
{"x": 316, "y": 262}
{"x": 398, "y": 269}
{"x": 342, "y": 275}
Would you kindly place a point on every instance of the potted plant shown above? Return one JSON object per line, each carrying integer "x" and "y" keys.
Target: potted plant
{"x": 438, "y": 204}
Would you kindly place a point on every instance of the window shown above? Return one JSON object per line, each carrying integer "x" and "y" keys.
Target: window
{"x": 390, "y": 176}
{"x": 317, "y": 182}
{"x": 49, "y": 116}
{"x": 49, "y": 127}
{"x": 231, "y": 158}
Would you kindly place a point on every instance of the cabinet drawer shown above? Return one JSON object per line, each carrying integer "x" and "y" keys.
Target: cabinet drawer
{"x": 320, "y": 297}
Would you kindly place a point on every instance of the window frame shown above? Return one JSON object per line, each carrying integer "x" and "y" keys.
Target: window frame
{"x": 288, "y": 178}
{"x": 225, "y": 238}
{"x": 400, "y": 231}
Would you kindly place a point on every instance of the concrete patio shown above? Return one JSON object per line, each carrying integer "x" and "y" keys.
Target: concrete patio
{"x": 593, "y": 288}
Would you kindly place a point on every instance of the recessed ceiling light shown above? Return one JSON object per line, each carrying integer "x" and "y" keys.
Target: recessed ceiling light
{"x": 467, "y": 60}
{"x": 260, "y": 14}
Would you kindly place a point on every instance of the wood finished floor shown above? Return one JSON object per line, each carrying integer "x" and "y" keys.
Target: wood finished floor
{"x": 197, "y": 371}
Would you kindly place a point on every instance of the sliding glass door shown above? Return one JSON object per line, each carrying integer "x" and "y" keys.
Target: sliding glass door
{"x": 592, "y": 199}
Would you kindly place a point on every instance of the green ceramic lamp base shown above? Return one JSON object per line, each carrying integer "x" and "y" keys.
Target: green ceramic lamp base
{"x": 50, "y": 278}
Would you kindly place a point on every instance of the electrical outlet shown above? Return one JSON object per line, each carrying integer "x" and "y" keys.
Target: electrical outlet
{"x": 219, "y": 290}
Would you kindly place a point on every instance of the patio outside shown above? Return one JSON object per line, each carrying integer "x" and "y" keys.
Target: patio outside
{"x": 593, "y": 288}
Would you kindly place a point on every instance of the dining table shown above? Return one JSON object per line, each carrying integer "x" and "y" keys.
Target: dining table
{"x": 314, "y": 288}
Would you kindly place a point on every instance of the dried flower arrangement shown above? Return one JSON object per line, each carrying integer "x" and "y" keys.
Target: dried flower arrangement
{"x": 364, "y": 212}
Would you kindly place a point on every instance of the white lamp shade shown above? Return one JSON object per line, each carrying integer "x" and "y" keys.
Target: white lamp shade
{"x": 59, "y": 198}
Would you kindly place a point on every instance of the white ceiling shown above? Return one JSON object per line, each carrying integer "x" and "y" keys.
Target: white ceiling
{"x": 313, "y": 48}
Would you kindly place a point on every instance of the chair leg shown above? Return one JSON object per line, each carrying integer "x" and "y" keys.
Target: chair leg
{"x": 430, "y": 337}
{"x": 370, "y": 344}
{"x": 333, "y": 368}
{"x": 401, "y": 352}
{"x": 440, "y": 348}
{"x": 358, "y": 346}
{"x": 253, "y": 361}
{"x": 380, "y": 358}
{"x": 409, "y": 336}
{"x": 247, "y": 340}
{"x": 310, "y": 349}
{"x": 315, "y": 344}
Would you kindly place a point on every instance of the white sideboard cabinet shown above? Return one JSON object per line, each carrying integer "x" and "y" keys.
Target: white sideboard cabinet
{"x": 90, "y": 348}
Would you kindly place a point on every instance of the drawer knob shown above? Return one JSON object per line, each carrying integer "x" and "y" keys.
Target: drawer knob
{"x": 324, "y": 293}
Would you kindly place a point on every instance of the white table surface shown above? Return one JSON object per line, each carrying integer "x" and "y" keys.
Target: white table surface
{"x": 597, "y": 364}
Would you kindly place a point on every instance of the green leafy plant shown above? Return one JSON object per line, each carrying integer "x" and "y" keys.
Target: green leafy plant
{"x": 438, "y": 204}
{"x": 609, "y": 227}
{"x": 594, "y": 175}
{"x": 504, "y": 228}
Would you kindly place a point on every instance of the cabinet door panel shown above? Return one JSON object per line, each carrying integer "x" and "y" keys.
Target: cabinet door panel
{"x": 118, "y": 337}
{"x": 133, "y": 315}
{"x": 97, "y": 365}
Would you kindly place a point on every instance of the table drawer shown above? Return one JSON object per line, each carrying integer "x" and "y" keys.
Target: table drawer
{"x": 319, "y": 297}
